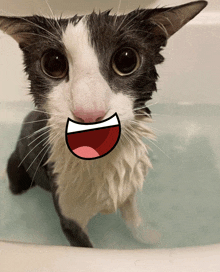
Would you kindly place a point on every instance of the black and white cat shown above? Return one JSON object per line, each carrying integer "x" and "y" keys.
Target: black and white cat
{"x": 87, "y": 69}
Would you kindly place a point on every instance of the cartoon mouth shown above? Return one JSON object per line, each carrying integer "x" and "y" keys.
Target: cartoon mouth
{"x": 93, "y": 140}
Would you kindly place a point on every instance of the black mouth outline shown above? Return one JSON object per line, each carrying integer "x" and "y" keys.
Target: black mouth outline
{"x": 102, "y": 121}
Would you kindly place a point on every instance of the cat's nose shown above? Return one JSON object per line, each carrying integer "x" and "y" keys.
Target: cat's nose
{"x": 90, "y": 116}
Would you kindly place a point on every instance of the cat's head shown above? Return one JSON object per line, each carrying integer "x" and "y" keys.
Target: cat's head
{"x": 89, "y": 67}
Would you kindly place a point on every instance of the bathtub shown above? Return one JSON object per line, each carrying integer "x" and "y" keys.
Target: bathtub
{"x": 181, "y": 194}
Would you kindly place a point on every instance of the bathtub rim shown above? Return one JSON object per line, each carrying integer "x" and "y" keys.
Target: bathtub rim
{"x": 30, "y": 257}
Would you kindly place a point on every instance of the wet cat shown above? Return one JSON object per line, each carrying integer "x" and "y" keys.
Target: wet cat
{"x": 87, "y": 72}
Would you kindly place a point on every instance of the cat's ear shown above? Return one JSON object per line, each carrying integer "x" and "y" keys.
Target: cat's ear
{"x": 17, "y": 27}
{"x": 169, "y": 20}
{"x": 28, "y": 30}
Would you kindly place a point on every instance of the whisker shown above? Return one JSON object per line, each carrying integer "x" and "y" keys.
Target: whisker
{"x": 135, "y": 122}
{"x": 119, "y": 5}
{"x": 52, "y": 35}
{"x": 35, "y": 132}
{"x": 32, "y": 150}
{"x": 123, "y": 20}
{"x": 52, "y": 138}
{"x": 49, "y": 7}
{"x": 37, "y": 110}
{"x": 143, "y": 114}
{"x": 39, "y": 35}
{"x": 40, "y": 27}
{"x": 162, "y": 27}
{"x": 49, "y": 114}
{"x": 39, "y": 165}
{"x": 53, "y": 15}
{"x": 48, "y": 142}
{"x": 140, "y": 108}
{"x": 40, "y": 111}
{"x": 49, "y": 21}
{"x": 130, "y": 31}
{"x": 158, "y": 130}
{"x": 152, "y": 104}
{"x": 37, "y": 138}
{"x": 159, "y": 148}
{"x": 132, "y": 19}
{"x": 36, "y": 121}
{"x": 130, "y": 136}
{"x": 150, "y": 129}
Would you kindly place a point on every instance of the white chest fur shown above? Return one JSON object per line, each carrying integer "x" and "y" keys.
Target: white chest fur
{"x": 86, "y": 187}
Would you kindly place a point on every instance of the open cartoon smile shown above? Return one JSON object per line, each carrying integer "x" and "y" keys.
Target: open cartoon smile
{"x": 93, "y": 140}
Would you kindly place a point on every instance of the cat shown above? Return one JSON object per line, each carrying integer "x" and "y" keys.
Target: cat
{"x": 84, "y": 71}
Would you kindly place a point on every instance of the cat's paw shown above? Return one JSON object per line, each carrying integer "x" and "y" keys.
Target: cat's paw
{"x": 144, "y": 234}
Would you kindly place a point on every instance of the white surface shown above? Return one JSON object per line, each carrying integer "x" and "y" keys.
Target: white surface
{"x": 24, "y": 7}
{"x": 190, "y": 72}
{"x": 13, "y": 83}
{"x": 31, "y": 258}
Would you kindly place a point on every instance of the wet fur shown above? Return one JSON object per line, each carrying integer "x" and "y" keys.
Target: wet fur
{"x": 81, "y": 188}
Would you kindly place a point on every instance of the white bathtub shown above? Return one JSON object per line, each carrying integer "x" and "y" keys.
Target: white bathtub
{"x": 181, "y": 197}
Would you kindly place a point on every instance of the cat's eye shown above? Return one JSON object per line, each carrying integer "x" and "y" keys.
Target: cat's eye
{"x": 54, "y": 64}
{"x": 125, "y": 61}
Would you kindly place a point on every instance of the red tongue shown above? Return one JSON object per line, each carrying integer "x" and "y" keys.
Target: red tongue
{"x": 86, "y": 152}
{"x": 92, "y": 144}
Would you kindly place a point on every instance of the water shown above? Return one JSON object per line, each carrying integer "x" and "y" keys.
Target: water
{"x": 180, "y": 197}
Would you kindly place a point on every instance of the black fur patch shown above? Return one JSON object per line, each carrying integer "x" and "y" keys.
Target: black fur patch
{"x": 38, "y": 35}
{"x": 109, "y": 33}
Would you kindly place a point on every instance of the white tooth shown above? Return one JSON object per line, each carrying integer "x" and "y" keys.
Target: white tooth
{"x": 74, "y": 127}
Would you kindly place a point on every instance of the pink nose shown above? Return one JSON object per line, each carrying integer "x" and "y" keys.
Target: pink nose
{"x": 89, "y": 116}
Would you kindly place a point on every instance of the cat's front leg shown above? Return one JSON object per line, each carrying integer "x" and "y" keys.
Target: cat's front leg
{"x": 19, "y": 180}
{"x": 74, "y": 233}
{"x": 135, "y": 224}
{"x": 74, "y": 230}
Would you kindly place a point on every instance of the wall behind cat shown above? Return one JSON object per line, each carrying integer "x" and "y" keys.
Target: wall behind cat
{"x": 68, "y": 7}
{"x": 190, "y": 72}
{"x": 13, "y": 81}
